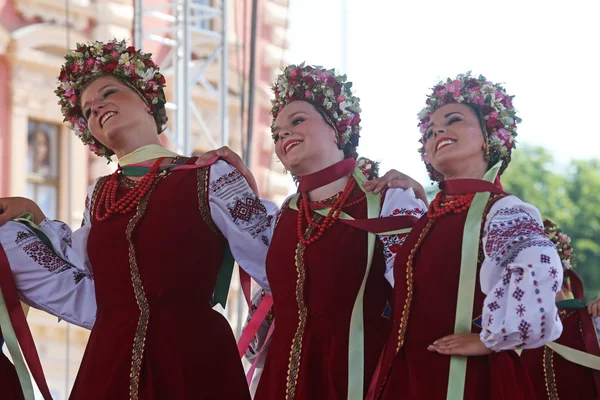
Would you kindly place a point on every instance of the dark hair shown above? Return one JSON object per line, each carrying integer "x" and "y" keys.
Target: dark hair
{"x": 479, "y": 114}
{"x": 349, "y": 149}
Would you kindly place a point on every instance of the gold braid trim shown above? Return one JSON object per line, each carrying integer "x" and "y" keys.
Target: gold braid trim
{"x": 296, "y": 348}
{"x": 203, "y": 175}
{"x": 140, "y": 297}
{"x": 409, "y": 286}
{"x": 549, "y": 376}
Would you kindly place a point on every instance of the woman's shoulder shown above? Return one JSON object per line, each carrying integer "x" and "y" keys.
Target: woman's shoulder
{"x": 512, "y": 208}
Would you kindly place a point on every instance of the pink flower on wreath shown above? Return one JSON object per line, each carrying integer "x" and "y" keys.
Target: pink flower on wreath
{"x": 294, "y": 73}
{"x": 69, "y": 92}
{"x": 307, "y": 94}
{"x": 479, "y": 100}
{"x": 504, "y": 135}
{"x": 93, "y": 147}
{"x": 440, "y": 91}
{"x": 454, "y": 87}
{"x": 323, "y": 75}
{"x": 340, "y": 99}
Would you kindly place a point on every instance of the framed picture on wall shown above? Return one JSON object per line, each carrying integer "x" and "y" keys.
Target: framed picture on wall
{"x": 42, "y": 165}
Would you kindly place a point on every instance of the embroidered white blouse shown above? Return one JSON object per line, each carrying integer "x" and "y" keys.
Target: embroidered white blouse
{"x": 60, "y": 280}
{"x": 520, "y": 276}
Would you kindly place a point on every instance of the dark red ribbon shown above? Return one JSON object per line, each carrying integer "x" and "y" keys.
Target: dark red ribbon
{"x": 463, "y": 186}
{"x": 381, "y": 225}
{"x": 20, "y": 326}
{"x": 327, "y": 175}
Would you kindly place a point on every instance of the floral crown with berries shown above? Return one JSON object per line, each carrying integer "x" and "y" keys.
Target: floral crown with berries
{"x": 329, "y": 92}
{"x": 562, "y": 242}
{"x": 114, "y": 58}
{"x": 499, "y": 116}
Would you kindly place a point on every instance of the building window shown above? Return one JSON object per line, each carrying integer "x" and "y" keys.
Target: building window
{"x": 42, "y": 166}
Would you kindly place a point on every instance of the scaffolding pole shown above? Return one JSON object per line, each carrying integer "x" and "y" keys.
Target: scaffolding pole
{"x": 195, "y": 31}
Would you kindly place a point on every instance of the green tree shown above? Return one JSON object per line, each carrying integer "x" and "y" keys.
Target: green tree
{"x": 570, "y": 198}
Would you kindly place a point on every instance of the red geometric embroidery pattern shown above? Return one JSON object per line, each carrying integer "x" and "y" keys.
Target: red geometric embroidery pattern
{"x": 524, "y": 327}
{"x": 417, "y": 212}
{"x": 499, "y": 293}
{"x": 518, "y": 294}
{"x": 225, "y": 180}
{"x": 512, "y": 231}
{"x": 40, "y": 253}
{"x": 245, "y": 209}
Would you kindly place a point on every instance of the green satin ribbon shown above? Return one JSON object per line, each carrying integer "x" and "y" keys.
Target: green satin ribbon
{"x": 467, "y": 283}
{"x": 12, "y": 343}
{"x": 356, "y": 338}
{"x": 145, "y": 153}
{"x": 570, "y": 304}
{"x": 223, "y": 279}
{"x": 576, "y": 356}
{"x": 10, "y": 338}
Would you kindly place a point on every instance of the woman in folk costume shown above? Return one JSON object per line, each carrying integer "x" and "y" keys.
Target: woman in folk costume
{"x": 476, "y": 278}
{"x": 553, "y": 371}
{"x": 153, "y": 237}
{"x": 329, "y": 277}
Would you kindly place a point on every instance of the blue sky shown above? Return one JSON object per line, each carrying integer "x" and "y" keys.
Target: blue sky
{"x": 544, "y": 52}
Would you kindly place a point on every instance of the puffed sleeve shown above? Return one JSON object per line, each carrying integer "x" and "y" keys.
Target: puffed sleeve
{"x": 245, "y": 220}
{"x": 398, "y": 202}
{"x": 521, "y": 275}
{"x": 51, "y": 268}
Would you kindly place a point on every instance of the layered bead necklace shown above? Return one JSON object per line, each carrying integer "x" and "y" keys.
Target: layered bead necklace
{"x": 107, "y": 202}
{"x": 442, "y": 205}
{"x": 333, "y": 215}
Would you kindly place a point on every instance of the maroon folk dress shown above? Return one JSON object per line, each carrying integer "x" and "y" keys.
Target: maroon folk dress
{"x": 552, "y": 376}
{"x": 415, "y": 373}
{"x": 326, "y": 280}
{"x": 10, "y": 387}
{"x": 188, "y": 351}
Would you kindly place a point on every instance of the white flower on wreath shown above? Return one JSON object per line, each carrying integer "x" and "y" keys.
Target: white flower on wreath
{"x": 149, "y": 74}
{"x": 124, "y": 59}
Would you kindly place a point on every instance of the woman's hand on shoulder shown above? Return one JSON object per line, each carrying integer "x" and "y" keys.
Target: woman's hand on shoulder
{"x": 234, "y": 159}
{"x": 594, "y": 308}
{"x": 396, "y": 179}
{"x": 12, "y": 207}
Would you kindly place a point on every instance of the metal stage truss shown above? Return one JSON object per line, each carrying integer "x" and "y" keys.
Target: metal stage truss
{"x": 195, "y": 31}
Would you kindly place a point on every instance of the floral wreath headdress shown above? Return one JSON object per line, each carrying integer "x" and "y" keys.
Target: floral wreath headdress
{"x": 562, "y": 242}
{"x": 500, "y": 118}
{"x": 329, "y": 92}
{"x": 90, "y": 61}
